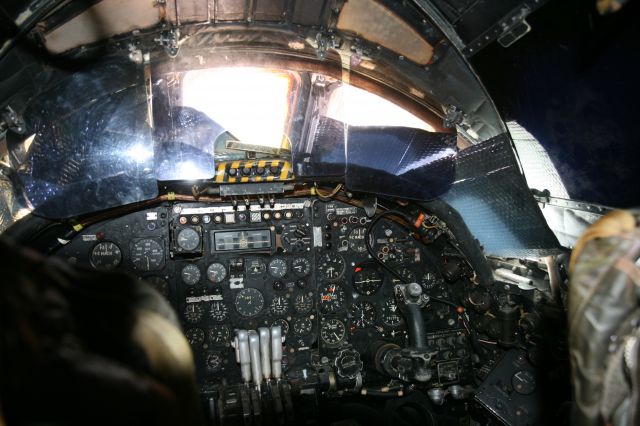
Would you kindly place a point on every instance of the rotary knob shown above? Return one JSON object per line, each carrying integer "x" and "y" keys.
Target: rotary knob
{"x": 274, "y": 169}
{"x": 348, "y": 363}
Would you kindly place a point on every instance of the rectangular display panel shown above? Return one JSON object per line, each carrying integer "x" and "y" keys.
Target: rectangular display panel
{"x": 259, "y": 239}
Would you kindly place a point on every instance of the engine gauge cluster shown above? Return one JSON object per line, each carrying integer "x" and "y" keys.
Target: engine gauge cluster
{"x": 147, "y": 254}
{"x": 367, "y": 280}
{"x": 190, "y": 274}
{"x": 332, "y": 298}
{"x": 333, "y": 331}
{"x": 301, "y": 266}
{"x": 219, "y": 334}
{"x": 278, "y": 268}
{"x": 188, "y": 239}
{"x": 249, "y": 302}
{"x": 302, "y": 326}
{"x": 356, "y": 239}
{"x": 106, "y": 255}
{"x": 303, "y": 303}
{"x": 218, "y": 311}
{"x": 193, "y": 312}
{"x": 216, "y": 272}
{"x": 390, "y": 314}
{"x": 280, "y": 305}
{"x": 331, "y": 266}
{"x": 363, "y": 314}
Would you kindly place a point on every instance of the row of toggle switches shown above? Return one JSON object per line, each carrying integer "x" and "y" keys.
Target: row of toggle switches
{"x": 259, "y": 354}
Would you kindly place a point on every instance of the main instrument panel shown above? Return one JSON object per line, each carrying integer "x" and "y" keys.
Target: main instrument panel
{"x": 298, "y": 263}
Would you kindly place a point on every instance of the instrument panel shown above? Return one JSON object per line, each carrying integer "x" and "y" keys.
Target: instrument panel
{"x": 299, "y": 263}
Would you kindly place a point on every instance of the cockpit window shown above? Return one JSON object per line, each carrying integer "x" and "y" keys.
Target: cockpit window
{"x": 205, "y": 116}
{"x": 104, "y": 139}
{"x": 357, "y": 107}
{"x": 252, "y": 104}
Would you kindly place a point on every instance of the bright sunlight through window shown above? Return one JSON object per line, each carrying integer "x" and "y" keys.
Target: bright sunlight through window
{"x": 358, "y": 107}
{"x": 251, "y": 103}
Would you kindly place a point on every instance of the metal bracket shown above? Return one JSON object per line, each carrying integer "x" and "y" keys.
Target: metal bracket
{"x": 170, "y": 40}
{"x": 514, "y": 29}
{"x": 545, "y": 199}
{"x": 324, "y": 42}
{"x": 454, "y": 115}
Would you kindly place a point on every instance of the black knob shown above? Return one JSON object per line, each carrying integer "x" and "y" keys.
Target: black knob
{"x": 328, "y": 246}
{"x": 259, "y": 170}
{"x": 274, "y": 170}
{"x": 246, "y": 171}
{"x": 301, "y": 283}
{"x": 278, "y": 285}
{"x": 233, "y": 172}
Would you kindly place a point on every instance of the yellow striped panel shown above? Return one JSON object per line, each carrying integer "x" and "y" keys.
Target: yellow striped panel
{"x": 285, "y": 171}
{"x": 220, "y": 174}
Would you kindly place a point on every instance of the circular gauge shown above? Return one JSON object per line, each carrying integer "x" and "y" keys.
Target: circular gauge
{"x": 195, "y": 336}
{"x": 190, "y": 274}
{"x": 249, "y": 302}
{"x": 255, "y": 267}
{"x": 356, "y": 240}
{"x": 429, "y": 280}
{"x": 216, "y": 272}
{"x": 390, "y": 313}
{"x": 284, "y": 325}
{"x": 301, "y": 266}
{"x": 367, "y": 281}
{"x": 278, "y": 268}
{"x": 147, "y": 255}
{"x": 279, "y": 305}
{"x": 330, "y": 266}
{"x": 188, "y": 239}
{"x": 296, "y": 238}
{"x": 406, "y": 274}
{"x": 193, "y": 312}
{"x": 363, "y": 313}
{"x": 106, "y": 255}
{"x": 303, "y": 303}
{"x": 302, "y": 326}
{"x": 160, "y": 284}
{"x": 218, "y": 311}
{"x": 219, "y": 334}
{"x": 214, "y": 362}
{"x": 332, "y": 298}
{"x": 332, "y": 331}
